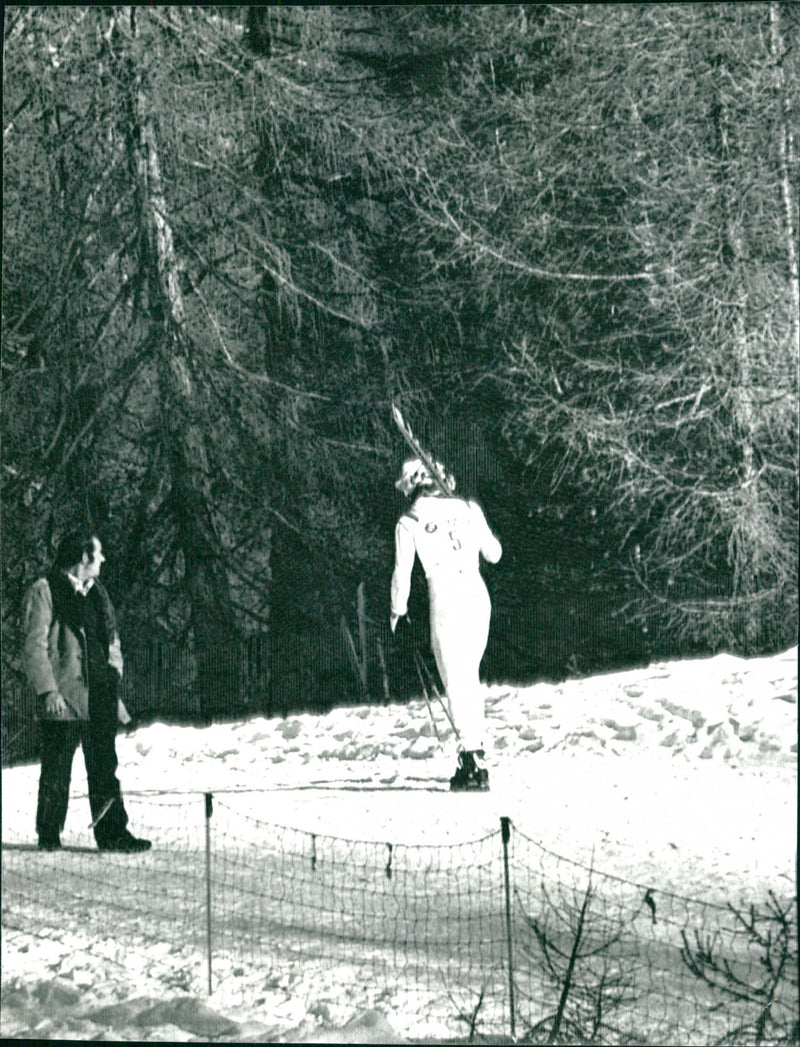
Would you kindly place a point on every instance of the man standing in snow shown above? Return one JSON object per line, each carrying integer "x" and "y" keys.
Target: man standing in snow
{"x": 73, "y": 660}
{"x": 449, "y": 535}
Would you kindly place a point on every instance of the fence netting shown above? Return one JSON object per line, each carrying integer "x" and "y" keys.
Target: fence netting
{"x": 493, "y": 937}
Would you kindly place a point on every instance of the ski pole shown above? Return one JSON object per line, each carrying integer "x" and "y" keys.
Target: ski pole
{"x": 102, "y": 814}
{"x": 421, "y": 662}
{"x": 427, "y": 700}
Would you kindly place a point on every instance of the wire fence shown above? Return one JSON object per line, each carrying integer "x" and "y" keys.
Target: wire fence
{"x": 493, "y": 937}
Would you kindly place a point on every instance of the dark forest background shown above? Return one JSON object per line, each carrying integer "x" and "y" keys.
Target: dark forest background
{"x": 562, "y": 238}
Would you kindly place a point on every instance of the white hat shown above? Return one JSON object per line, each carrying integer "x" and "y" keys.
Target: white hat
{"x": 413, "y": 474}
{"x": 416, "y": 474}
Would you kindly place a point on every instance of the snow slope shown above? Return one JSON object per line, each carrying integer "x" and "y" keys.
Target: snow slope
{"x": 681, "y": 774}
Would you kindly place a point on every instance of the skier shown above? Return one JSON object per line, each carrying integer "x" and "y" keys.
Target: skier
{"x": 449, "y": 535}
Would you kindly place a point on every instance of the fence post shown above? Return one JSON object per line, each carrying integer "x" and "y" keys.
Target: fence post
{"x": 505, "y": 831}
{"x": 209, "y": 808}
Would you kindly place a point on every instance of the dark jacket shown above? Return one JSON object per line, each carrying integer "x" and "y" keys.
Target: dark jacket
{"x": 55, "y": 654}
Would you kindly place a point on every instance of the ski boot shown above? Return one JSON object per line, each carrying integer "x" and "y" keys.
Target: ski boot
{"x": 470, "y": 774}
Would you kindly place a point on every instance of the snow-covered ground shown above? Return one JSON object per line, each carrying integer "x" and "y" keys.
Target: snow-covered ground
{"x": 681, "y": 774}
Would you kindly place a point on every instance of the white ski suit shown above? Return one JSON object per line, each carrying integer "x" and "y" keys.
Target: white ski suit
{"x": 450, "y": 535}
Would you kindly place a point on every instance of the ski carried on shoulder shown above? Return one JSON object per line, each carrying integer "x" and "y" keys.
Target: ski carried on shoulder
{"x": 419, "y": 451}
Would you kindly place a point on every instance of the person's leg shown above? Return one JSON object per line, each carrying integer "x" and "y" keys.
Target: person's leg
{"x": 100, "y": 755}
{"x": 59, "y": 739}
{"x": 459, "y": 632}
{"x": 465, "y": 697}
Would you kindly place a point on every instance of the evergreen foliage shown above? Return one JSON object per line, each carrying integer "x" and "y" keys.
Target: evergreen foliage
{"x": 563, "y": 238}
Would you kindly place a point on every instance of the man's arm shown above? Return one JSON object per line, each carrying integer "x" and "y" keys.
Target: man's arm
{"x": 37, "y": 617}
{"x": 114, "y": 646}
{"x": 115, "y": 654}
{"x": 491, "y": 549}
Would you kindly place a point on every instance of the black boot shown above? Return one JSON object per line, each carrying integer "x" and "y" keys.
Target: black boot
{"x": 480, "y": 774}
{"x": 461, "y": 777}
{"x": 470, "y": 774}
{"x": 126, "y": 842}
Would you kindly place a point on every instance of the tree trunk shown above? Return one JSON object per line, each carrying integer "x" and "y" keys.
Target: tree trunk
{"x": 212, "y": 615}
{"x": 787, "y": 160}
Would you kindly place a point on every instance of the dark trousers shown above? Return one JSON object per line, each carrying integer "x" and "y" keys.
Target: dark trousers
{"x": 97, "y": 738}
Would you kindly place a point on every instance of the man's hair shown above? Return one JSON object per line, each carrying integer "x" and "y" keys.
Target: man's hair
{"x": 72, "y": 547}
